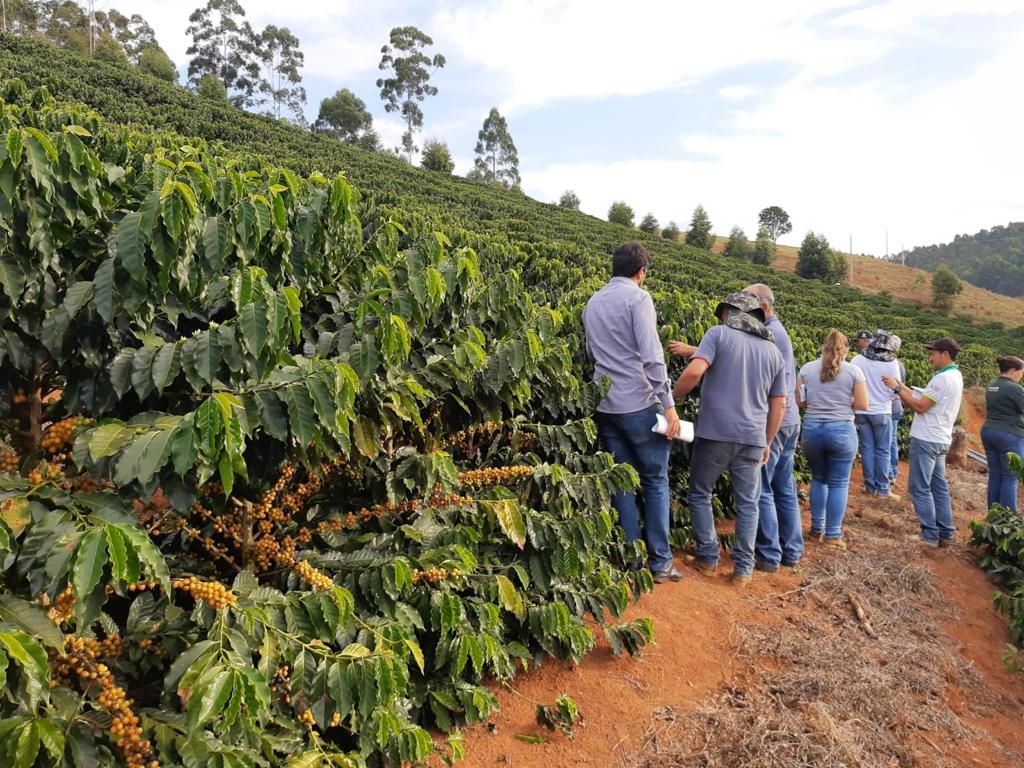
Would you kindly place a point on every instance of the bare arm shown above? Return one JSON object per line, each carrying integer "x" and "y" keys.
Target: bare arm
{"x": 776, "y": 412}
{"x": 913, "y": 401}
{"x": 860, "y": 396}
{"x": 798, "y": 394}
{"x": 691, "y": 377}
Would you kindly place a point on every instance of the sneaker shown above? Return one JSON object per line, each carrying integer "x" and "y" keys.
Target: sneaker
{"x": 834, "y": 543}
{"x": 740, "y": 579}
{"x": 669, "y": 574}
{"x": 703, "y": 566}
{"x": 945, "y": 543}
{"x": 764, "y": 566}
{"x": 813, "y": 535}
{"x": 789, "y": 563}
{"x": 892, "y": 498}
{"x": 915, "y": 538}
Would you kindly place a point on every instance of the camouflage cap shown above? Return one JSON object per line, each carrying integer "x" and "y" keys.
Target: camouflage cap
{"x": 744, "y": 302}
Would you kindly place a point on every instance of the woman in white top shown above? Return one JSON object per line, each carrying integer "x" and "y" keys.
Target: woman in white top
{"x": 829, "y": 389}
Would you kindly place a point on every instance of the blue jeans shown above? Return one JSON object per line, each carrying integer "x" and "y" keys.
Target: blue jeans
{"x": 875, "y": 438}
{"x": 628, "y": 437}
{"x": 830, "y": 447}
{"x": 1002, "y": 481}
{"x": 929, "y": 491}
{"x": 894, "y": 451}
{"x": 710, "y": 459}
{"x": 778, "y": 531}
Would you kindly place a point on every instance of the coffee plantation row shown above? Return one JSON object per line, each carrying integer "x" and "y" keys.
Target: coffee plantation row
{"x": 298, "y": 468}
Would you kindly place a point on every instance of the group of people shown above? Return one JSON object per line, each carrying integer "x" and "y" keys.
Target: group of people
{"x": 749, "y": 424}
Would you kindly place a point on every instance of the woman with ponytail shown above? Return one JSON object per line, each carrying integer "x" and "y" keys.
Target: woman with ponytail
{"x": 830, "y": 389}
{"x": 1003, "y": 431}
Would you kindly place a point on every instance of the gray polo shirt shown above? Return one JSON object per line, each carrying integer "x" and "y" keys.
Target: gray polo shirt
{"x": 830, "y": 400}
{"x": 744, "y": 371}
{"x": 773, "y": 324}
{"x": 622, "y": 340}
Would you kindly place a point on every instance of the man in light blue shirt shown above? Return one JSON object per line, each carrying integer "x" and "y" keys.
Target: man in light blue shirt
{"x": 622, "y": 340}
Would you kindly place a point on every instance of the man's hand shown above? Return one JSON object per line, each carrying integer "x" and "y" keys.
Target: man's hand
{"x": 680, "y": 349}
{"x": 891, "y": 382}
{"x": 673, "y": 423}
{"x": 767, "y": 453}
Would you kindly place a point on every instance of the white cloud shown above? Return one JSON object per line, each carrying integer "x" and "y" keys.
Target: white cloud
{"x": 842, "y": 160}
{"x": 738, "y": 92}
{"x": 546, "y": 51}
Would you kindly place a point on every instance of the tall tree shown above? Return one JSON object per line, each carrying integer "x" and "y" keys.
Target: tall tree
{"x": 620, "y": 213}
{"x": 409, "y": 81}
{"x": 279, "y": 52}
{"x": 764, "y": 248}
{"x": 224, "y": 45}
{"x": 699, "y": 235}
{"x": 776, "y": 221}
{"x": 20, "y": 17}
{"x": 570, "y": 200}
{"x": 671, "y": 232}
{"x": 155, "y": 61}
{"x": 737, "y": 246}
{"x": 496, "y": 155}
{"x": 648, "y": 224}
{"x": 817, "y": 260}
{"x": 437, "y": 157}
{"x": 945, "y": 287}
{"x": 133, "y": 33}
{"x": 344, "y": 116}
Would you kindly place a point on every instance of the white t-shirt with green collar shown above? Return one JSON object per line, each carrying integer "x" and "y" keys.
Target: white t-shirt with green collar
{"x": 946, "y": 390}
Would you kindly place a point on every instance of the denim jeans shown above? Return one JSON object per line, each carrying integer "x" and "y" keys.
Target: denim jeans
{"x": 894, "y": 451}
{"x": 628, "y": 437}
{"x": 778, "y": 531}
{"x": 929, "y": 491}
{"x": 830, "y": 447}
{"x": 875, "y": 446}
{"x": 710, "y": 459}
{"x": 1002, "y": 481}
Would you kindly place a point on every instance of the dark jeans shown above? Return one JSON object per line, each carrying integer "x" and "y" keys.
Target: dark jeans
{"x": 628, "y": 437}
{"x": 1002, "y": 481}
{"x": 875, "y": 448}
{"x": 778, "y": 531}
{"x": 929, "y": 491}
{"x": 710, "y": 459}
{"x": 830, "y": 447}
{"x": 894, "y": 451}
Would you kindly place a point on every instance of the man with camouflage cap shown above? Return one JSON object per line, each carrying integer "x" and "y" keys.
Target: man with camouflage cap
{"x": 743, "y": 401}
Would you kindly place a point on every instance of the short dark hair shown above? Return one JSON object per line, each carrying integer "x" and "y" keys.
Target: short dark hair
{"x": 1009, "y": 363}
{"x": 629, "y": 259}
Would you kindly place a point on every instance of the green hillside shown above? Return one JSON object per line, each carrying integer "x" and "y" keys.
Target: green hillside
{"x": 992, "y": 258}
{"x": 566, "y": 251}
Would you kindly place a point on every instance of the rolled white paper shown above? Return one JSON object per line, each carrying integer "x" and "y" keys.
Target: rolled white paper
{"x": 685, "y": 428}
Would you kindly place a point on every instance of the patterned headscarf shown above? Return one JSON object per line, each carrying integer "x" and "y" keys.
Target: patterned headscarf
{"x": 883, "y": 347}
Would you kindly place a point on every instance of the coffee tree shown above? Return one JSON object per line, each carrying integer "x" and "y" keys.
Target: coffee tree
{"x": 288, "y": 484}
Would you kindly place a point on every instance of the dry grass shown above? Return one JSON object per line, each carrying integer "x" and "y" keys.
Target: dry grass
{"x": 915, "y": 286}
{"x": 822, "y": 692}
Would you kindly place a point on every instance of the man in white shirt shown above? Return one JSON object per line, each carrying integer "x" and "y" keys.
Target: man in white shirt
{"x": 935, "y": 412}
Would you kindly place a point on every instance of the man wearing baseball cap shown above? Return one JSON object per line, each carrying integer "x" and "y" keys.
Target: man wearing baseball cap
{"x": 863, "y": 340}
{"x": 935, "y": 409}
{"x": 742, "y": 404}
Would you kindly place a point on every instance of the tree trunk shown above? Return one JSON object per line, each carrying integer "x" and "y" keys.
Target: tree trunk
{"x": 27, "y": 409}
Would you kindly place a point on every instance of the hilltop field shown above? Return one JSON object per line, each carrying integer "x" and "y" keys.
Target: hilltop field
{"x": 915, "y": 286}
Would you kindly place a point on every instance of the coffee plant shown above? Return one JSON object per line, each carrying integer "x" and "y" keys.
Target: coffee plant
{"x": 287, "y": 484}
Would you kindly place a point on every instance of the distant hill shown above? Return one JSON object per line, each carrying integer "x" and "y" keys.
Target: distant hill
{"x": 913, "y": 284}
{"x": 992, "y": 258}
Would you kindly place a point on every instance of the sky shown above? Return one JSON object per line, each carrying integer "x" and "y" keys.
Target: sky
{"x": 888, "y": 123}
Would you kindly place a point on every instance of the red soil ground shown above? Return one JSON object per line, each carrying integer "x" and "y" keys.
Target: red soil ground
{"x": 694, "y": 657}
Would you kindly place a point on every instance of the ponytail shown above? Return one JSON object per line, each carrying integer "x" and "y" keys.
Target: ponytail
{"x": 833, "y": 354}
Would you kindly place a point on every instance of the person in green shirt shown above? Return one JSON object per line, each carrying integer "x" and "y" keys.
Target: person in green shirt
{"x": 1003, "y": 431}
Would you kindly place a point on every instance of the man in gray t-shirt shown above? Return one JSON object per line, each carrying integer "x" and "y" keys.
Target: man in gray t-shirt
{"x": 743, "y": 401}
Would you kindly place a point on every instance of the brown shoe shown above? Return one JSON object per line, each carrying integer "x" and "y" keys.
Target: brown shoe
{"x": 703, "y": 566}
{"x": 740, "y": 580}
{"x": 945, "y": 543}
{"x": 834, "y": 543}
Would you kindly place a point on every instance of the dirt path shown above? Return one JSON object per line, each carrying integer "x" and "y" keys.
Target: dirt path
{"x": 782, "y": 674}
